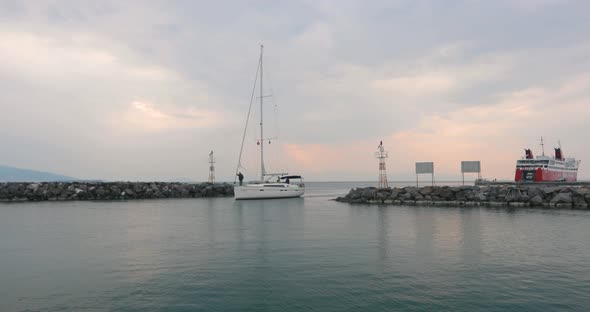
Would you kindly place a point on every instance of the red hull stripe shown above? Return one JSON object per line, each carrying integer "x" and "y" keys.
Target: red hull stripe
{"x": 541, "y": 175}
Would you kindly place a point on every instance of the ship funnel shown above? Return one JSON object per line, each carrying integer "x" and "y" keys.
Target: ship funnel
{"x": 558, "y": 154}
{"x": 529, "y": 153}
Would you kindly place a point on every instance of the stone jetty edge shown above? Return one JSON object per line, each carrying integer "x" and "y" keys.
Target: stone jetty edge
{"x": 501, "y": 195}
{"x": 64, "y": 191}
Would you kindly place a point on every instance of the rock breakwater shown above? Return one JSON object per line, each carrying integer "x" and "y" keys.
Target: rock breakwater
{"x": 54, "y": 191}
{"x": 507, "y": 195}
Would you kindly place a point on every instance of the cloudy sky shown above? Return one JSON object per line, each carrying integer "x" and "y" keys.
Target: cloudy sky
{"x": 143, "y": 90}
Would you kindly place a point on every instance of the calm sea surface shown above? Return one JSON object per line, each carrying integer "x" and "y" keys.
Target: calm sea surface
{"x": 306, "y": 254}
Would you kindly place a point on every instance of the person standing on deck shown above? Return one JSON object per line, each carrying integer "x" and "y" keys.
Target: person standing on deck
{"x": 240, "y": 177}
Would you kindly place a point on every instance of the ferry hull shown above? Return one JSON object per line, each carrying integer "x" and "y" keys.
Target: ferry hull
{"x": 265, "y": 192}
{"x": 544, "y": 175}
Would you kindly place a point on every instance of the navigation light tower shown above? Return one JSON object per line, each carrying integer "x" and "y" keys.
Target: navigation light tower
{"x": 382, "y": 154}
{"x": 211, "y": 168}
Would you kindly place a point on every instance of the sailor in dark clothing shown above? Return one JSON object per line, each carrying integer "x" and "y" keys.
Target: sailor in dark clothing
{"x": 240, "y": 177}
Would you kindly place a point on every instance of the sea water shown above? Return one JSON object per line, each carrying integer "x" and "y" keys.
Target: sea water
{"x": 303, "y": 254}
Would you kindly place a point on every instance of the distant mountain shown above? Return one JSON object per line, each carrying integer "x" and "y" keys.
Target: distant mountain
{"x": 11, "y": 174}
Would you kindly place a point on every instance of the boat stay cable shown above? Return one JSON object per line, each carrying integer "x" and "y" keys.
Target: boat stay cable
{"x": 247, "y": 120}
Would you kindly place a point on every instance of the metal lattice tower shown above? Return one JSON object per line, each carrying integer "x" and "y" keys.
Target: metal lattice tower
{"x": 382, "y": 154}
{"x": 211, "y": 168}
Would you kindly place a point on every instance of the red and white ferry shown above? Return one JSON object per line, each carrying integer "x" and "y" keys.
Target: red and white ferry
{"x": 546, "y": 168}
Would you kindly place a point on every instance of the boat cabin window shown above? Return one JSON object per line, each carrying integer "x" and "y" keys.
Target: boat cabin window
{"x": 542, "y": 161}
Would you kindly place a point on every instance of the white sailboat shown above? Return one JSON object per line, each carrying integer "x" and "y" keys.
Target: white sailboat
{"x": 265, "y": 189}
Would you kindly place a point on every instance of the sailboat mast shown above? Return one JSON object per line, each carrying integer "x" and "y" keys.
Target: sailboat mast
{"x": 261, "y": 128}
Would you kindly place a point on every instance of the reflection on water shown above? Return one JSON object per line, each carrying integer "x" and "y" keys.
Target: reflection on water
{"x": 425, "y": 227}
{"x": 290, "y": 255}
{"x": 261, "y": 220}
{"x": 382, "y": 234}
{"x": 471, "y": 238}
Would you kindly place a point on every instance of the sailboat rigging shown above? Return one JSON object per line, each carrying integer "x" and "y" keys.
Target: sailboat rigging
{"x": 264, "y": 189}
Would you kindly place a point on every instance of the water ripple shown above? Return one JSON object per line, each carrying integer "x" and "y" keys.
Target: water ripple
{"x": 310, "y": 254}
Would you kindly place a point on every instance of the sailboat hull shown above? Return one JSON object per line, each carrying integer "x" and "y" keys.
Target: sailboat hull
{"x": 268, "y": 191}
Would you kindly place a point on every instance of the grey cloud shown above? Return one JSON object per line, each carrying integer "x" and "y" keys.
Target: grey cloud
{"x": 324, "y": 63}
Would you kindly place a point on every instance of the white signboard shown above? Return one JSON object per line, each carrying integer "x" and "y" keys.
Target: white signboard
{"x": 424, "y": 167}
{"x": 470, "y": 166}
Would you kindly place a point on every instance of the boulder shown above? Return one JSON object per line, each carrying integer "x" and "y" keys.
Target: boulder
{"x": 565, "y": 190}
{"x": 481, "y": 197}
{"x": 115, "y": 189}
{"x": 360, "y": 201}
{"x": 534, "y": 191}
{"x": 426, "y": 190}
{"x": 447, "y": 194}
{"x": 209, "y": 191}
{"x": 410, "y": 189}
{"x": 580, "y": 202}
{"x": 549, "y": 190}
{"x": 138, "y": 187}
{"x": 514, "y": 195}
{"x": 562, "y": 198}
{"x": 381, "y": 196}
{"x": 407, "y": 196}
{"x": 100, "y": 193}
{"x": 369, "y": 193}
{"x": 33, "y": 186}
{"x": 536, "y": 200}
{"x": 355, "y": 194}
{"x": 129, "y": 193}
{"x": 582, "y": 191}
